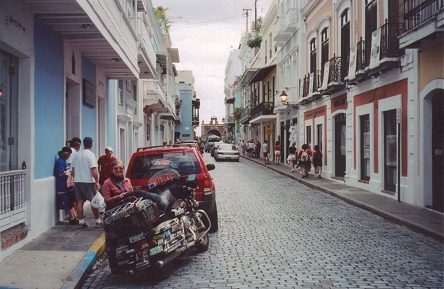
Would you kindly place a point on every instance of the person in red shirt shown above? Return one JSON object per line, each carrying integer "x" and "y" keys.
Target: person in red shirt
{"x": 104, "y": 163}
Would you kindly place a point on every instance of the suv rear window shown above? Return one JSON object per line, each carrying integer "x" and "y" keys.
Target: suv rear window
{"x": 145, "y": 166}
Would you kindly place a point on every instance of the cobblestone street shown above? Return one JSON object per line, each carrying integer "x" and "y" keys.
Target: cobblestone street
{"x": 277, "y": 233}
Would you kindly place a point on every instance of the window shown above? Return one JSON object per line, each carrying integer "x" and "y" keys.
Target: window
{"x": 345, "y": 42}
{"x": 9, "y": 112}
{"x": 365, "y": 147}
{"x": 370, "y": 26}
{"x": 313, "y": 55}
{"x": 319, "y": 135}
{"x": 271, "y": 45}
{"x": 308, "y": 136}
{"x": 324, "y": 49}
{"x": 390, "y": 152}
{"x": 120, "y": 90}
{"x": 145, "y": 166}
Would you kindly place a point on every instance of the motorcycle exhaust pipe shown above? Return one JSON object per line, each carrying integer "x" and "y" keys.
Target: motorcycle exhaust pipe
{"x": 161, "y": 263}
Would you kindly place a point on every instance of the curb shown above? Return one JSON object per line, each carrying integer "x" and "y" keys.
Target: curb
{"x": 85, "y": 264}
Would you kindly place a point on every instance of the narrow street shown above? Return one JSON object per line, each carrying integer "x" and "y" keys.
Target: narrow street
{"x": 277, "y": 233}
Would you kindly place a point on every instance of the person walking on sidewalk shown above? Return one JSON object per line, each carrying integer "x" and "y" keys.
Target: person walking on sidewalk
{"x": 257, "y": 150}
{"x": 277, "y": 153}
{"x": 292, "y": 156}
{"x": 304, "y": 157}
{"x": 86, "y": 181}
{"x": 265, "y": 151}
{"x": 317, "y": 161}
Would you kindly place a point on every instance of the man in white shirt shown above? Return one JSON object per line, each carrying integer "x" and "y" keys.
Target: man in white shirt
{"x": 86, "y": 181}
{"x": 265, "y": 151}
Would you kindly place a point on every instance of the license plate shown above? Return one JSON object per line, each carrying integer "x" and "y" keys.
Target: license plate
{"x": 156, "y": 250}
{"x": 136, "y": 238}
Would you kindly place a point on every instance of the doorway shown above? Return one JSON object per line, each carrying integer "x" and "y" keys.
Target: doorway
{"x": 438, "y": 152}
{"x": 340, "y": 145}
{"x": 365, "y": 147}
{"x": 390, "y": 151}
{"x": 72, "y": 108}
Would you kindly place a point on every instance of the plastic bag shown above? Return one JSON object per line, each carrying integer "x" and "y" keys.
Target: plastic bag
{"x": 98, "y": 201}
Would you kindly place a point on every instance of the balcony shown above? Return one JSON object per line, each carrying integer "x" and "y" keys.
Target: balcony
{"x": 146, "y": 54}
{"x": 333, "y": 76}
{"x": 12, "y": 199}
{"x": 263, "y": 108}
{"x": 195, "y": 120}
{"x": 310, "y": 86}
{"x": 196, "y": 103}
{"x": 245, "y": 115}
{"x": 229, "y": 99}
{"x": 230, "y": 119}
{"x": 291, "y": 20}
{"x": 281, "y": 36}
{"x": 388, "y": 46}
{"x": 154, "y": 97}
{"x": 423, "y": 21}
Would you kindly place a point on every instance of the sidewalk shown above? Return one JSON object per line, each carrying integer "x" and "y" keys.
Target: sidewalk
{"x": 60, "y": 257}
{"x": 56, "y": 259}
{"x": 422, "y": 220}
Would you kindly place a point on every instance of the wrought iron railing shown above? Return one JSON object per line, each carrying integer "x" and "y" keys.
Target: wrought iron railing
{"x": 246, "y": 113}
{"x": 361, "y": 59}
{"x": 263, "y": 108}
{"x": 12, "y": 198}
{"x": 311, "y": 83}
{"x": 389, "y": 40}
{"x": 419, "y": 12}
{"x": 335, "y": 70}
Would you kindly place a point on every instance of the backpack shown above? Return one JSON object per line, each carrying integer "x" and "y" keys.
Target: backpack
{"x": 305, "y": 157}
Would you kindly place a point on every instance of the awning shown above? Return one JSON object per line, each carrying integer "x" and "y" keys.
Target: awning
{"x": 262, "y": 73}
{"x": 264, "y": 118}
{"x": 248, "y": 74}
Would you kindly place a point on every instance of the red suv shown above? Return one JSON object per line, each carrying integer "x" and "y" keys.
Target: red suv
{"x": 184, "y": 158}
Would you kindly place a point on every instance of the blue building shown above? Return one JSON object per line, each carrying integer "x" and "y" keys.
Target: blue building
{"x": 189, "y": 106}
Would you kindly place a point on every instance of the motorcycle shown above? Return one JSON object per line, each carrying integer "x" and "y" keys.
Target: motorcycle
{"x": 148, "y": 230}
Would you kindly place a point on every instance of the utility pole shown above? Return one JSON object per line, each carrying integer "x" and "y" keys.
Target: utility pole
{"x": 246, "y": 18}
{"x": 255, "y": 16}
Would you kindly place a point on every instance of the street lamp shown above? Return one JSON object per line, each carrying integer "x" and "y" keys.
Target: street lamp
{"x": 283, "y": 97}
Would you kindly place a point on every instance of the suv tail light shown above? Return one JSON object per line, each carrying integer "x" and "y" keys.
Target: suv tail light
{"x": 207, "y": 187}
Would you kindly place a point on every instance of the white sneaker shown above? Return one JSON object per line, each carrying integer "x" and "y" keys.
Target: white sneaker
{"x": 292, "y": 170}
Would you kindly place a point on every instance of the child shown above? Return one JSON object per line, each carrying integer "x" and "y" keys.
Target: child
{"x": 317, "y": 161}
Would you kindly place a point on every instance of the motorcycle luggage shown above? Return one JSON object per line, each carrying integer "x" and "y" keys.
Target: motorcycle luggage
{"x": 130, "y": 218}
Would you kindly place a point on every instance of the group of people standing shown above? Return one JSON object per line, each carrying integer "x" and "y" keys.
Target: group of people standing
{"x": 79, "y": 176}
{"x": 304, "y": 159}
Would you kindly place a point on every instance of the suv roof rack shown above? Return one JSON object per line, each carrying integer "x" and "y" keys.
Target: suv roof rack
{"x": 190, "y": 145}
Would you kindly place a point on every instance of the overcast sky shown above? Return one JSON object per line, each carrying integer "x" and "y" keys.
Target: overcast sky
{"x": 205, "y": 31}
